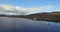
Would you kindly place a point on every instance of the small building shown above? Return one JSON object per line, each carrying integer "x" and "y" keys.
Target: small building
{"x": 35, "y": 18}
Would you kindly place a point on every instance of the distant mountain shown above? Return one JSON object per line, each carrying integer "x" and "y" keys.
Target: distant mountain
{"x": 3, "y": 15}
{"x": 40, "y": 14}
{"x": 46, "y": 13}
{"x": 51, "y": 16}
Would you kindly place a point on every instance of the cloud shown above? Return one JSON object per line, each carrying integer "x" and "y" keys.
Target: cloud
{"x": 21, "y": 10}
{"x": 6, "y": 7}
{"x": 33, "y": 9}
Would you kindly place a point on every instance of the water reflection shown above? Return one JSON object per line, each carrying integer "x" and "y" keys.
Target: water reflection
{"x": 21, "y": 24}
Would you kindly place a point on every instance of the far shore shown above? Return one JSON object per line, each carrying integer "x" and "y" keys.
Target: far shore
{"x": 49, "y": 20}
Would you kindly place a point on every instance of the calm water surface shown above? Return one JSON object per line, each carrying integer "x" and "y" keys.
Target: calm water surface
{"x": 25, "y": 25}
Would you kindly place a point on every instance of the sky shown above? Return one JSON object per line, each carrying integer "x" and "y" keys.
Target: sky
{"x": 24, "y": 7}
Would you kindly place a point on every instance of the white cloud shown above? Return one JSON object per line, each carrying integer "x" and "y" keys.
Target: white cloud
{"x": 33, "y": 9}
{"x": 21, "y": 10}
{"x": 6, "y": 7}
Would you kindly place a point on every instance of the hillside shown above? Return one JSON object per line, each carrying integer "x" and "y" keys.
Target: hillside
{"x": 51, "y": 16}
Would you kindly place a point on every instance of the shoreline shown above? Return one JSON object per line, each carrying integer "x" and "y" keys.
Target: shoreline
{"x": 49, "y": 20}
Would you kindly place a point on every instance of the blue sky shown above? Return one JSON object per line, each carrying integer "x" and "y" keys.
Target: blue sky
{"x": 53, "y": 5}
{"x": 31, "y": 3}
